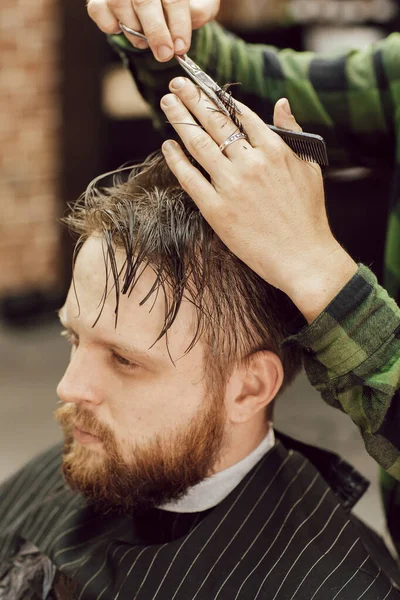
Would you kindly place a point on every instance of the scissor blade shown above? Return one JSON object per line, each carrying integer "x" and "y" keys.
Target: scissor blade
{"x": 207, "y": 84}
{"x": 194, "y": 73}
{"x": 189, "y": 64}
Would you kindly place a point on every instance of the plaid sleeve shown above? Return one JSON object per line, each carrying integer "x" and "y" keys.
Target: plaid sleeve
{"x": 349, "y": 97}
{"x": 352, "y": 357}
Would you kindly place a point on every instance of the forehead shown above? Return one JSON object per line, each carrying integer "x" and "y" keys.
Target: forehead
{"x": 140, "y": 323}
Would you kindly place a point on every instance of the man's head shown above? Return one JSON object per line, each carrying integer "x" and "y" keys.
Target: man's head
{"x": 175, "y": 346}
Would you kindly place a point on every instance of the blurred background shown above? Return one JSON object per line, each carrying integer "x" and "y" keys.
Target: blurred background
{"x": 68, "y": 111}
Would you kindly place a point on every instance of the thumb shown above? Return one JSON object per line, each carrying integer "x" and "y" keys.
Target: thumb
{"x": 283, "y": 116}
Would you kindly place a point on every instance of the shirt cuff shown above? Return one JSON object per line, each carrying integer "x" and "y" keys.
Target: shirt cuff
{"x": 352, "y": 327}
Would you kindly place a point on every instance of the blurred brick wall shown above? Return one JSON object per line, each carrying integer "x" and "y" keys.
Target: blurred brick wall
{"x": 29, "y": 129}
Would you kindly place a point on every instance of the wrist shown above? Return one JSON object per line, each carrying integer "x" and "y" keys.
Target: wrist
{"x": 316, "y": 283}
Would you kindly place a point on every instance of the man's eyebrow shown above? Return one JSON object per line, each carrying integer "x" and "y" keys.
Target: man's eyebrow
{"x": 132, "y": 350}
{"x": 123, "y": 348}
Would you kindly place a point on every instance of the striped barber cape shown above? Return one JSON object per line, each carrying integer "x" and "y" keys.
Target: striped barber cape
{"x": 282, "y": 534}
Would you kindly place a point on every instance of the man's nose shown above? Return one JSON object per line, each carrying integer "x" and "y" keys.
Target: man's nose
{"x": 80, "y": 383}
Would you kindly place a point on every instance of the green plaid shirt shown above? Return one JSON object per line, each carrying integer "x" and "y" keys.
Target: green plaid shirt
{"x": 352, "y": 99}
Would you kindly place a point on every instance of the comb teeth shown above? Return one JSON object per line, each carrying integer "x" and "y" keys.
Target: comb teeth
{"x": 307, "y": 146}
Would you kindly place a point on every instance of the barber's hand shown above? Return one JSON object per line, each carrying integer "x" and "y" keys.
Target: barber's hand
{"x": 167, "y": 24}
{"x": 264, "y": 202}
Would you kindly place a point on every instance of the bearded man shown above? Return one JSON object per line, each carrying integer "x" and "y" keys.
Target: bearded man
{"x": 171, "y": 483}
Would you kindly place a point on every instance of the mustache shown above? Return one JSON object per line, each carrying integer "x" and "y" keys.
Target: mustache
{"x": 69, "y": 416}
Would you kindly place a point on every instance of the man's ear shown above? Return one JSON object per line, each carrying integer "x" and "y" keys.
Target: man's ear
{"x": 252, "y": 386}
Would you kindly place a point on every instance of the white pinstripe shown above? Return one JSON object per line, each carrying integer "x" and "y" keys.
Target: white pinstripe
{"x": 334, "y": 570}
{"x": 69, "y": 548}
{"x": 17, "y": 523}
{"x": 19, "y": 483}
{"x": 387, "y": 595}
{"x": 25, "y": 497}
{"x": 65, "y": 518}
{"x": 130, "y": 570}
{"x": 351, "y": 578}
{"x": 245, "y": 521}
{"x": 33, "y": 521}
{"x": 16, "y": 494}
{"x": 123, "y": 556}
{"x": 43, "y": 476}
{"x": 186, "y": 539}
{"x": 83, "y": 560}
{"x": 26, "y": 482}
{"x": 320, "y": 558}
{"x": 45, "y": 523}
{"x": 148, "y": 570}
{"x": 290, "y": 541}
{"x": 63, "y": 534}
{"x": 80, "y": 562}
{"x": 279, "y": 532}
{"x": 97, "y": 572}
{"x": 223, "y": 519}
{"x": 104, "y": 589}
{"x": 370, "y": 585}
{"x": 305, "y": 548}
{"x": 195, "y": 522}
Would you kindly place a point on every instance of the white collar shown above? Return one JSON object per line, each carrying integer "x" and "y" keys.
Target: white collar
{"x": 212, "y": 490}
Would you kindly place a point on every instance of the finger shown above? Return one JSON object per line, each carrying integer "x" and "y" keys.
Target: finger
{"x": 284, "y": 119}
{"x": 151, "y": 15}
{"x": 104, "y": 18}
{"x": 192, "y": 181}
{"x": 283, "y": 116}
{"x": 179, "y": 22}
{"x": 203, "y": 11}
{"x": 197, "y": 141}
{"x": 135, "y": 36}
{"x": 124, "y": 13}
{"x": 217, "y": 124}
{"x": 258, "y": 132}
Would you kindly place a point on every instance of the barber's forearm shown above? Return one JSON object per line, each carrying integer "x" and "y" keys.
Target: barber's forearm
{"x": 316, "y": 279}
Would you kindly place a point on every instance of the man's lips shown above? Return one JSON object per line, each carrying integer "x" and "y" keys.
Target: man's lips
{"x": 83, "y": 436}
{"x": 82, "y": 429}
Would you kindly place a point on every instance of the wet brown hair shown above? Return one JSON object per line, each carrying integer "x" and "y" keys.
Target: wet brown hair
{"x": 144, "y": 212}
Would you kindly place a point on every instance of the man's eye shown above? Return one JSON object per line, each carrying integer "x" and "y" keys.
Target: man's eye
{"x": 123, "y": 361}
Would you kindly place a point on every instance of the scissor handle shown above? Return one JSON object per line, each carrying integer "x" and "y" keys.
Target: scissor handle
{"x": 132, "y": 32}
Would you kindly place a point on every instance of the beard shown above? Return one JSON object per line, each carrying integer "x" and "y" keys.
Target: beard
{"x": 143, "y": 475}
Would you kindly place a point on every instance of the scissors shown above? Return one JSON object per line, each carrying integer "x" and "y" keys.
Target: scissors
{"x": 307, "y": 146}
{"x": 204, "y": 81}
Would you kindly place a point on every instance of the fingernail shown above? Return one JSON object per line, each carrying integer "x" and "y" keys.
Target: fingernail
{"x": 178, "y": 83}
{"x": 286, "y": 107}
{"x": 164, "y": 52}
{"x": 168, "y": 146}
{"x": 179, "y": 45}
{"x": 141, "y": 45}
{"x": 169, "y": 100}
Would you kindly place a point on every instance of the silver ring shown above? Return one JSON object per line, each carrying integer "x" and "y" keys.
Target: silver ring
{"x": 238, "y": 135}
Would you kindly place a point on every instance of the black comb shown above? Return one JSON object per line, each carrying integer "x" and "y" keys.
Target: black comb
{"x": 307, "y": 146}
